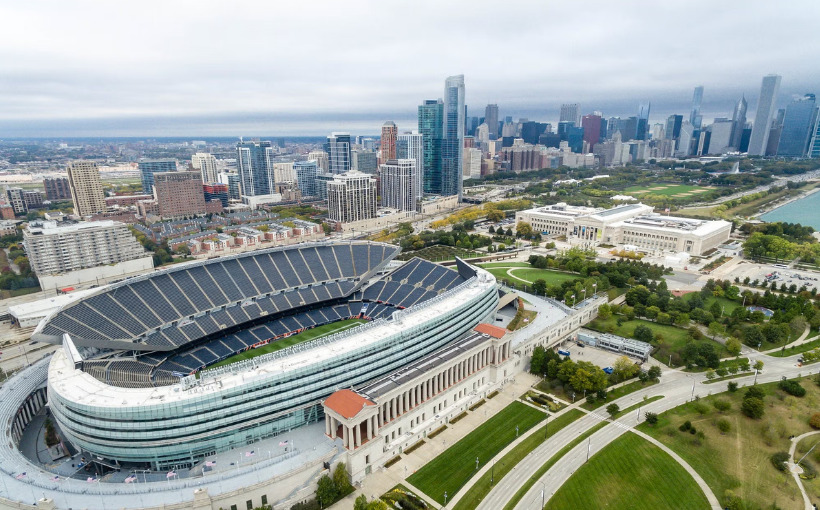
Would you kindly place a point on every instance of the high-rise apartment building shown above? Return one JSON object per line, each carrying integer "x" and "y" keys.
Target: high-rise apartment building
{"x": 798, "y": 126}
{"x": 86, "y": 189}
{"x": 254, "y": 161}
{"x": 472, "y": 163}
{"x": 738, "y": 122}
{"x": 351, "y": 196}
{"x": 57, "y": 188}
{"x": 411, "y": 146}
{"x": 283, "y": 172}
{"x": 179, "y": 194}
{"x": 149, "y": 167}
{"x": 491, "y": 119}
{"x": 766, "y": 106}
{"x": 338, "y": 153}
{"x": 398, "y": 180}
{"x": 321, "y": 159}
{"x": 452, "y": 150}
{"x": 387, "y": 144}
{"x": 570, "y": 113}
{"x": 206, "y": 164}
{"x": 695, "y": 118}
{"x": 431, "y": 122}
{"x": 234, "y": 184}
{"x": 216, "y": 191}
{"x": 364, "y": 161}
{"x": 306, "y": 172}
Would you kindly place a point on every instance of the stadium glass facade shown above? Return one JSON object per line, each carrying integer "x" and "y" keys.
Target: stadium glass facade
{"x": 174, "y": 426}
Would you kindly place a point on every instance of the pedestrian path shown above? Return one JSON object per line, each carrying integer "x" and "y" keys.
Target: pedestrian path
{"x": 796, "y": 470}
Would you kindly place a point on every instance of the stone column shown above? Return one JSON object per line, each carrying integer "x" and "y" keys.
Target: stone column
{"x": 357, "y": 435}
{"x": 346, "y": 436}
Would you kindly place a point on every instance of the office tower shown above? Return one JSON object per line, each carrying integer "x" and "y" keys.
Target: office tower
{"x": 233, "y": 182}
{"x": 695, "y": 117}
{"x": 216, "y": 191}
{"x": 411, "y": 146}
{"x": 814, "y": 144}
{"x": 720, "y": 138}
{"x": 686, "y": 139}
{"x": 56, "y": 188}
{"x": 491, "y": 119}
{"x": 398, "y": 181}
{"x": 774, "y": 132}
{"x": 351, "y": 196}
{"x": 738, "y": 122}
{"x": 283, "y": 172}
{"x": 321, "y": 185}
{"x": 179, "y": 194}
{"x": 473, "y": 124}
{"x": 569, "y": 113}
{"x": 798, "y": 124}
{"x": 320, "y": 157}
{"x": 472, "y": 163}
{"x": 592, "y": 125}
{"x": 563, "y": 129}
{"x": 575, "y": 139}
{"x": 207, "y": 166}
{"x": 673, "y": 124}
{"x": 387, "y": 144}
{"x": 364, "y": 161}
{"x": 338, "y": 152}
{"x": 658, "y": 131}
{"x": 431, "y": 121}
{"x": 766, "y": 106}
{"x": 148, "y": 167}
{"x": 452, "y": 150}
{"x": 86, "y": 189}
{"x": 642, "y": 126}
{"x": 306, "y": 172}
{"x": 254, "y": 161}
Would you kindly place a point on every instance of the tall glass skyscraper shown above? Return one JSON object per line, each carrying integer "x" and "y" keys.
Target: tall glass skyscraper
{"x": 738, "y": 123}
{"x": 766, "y": 107}
{"x": 149, "y": 167}
{"x": 695, "y": 118}
{"x": 254, "y": 161}
{"x": 452, "y": 149}
{"x": 338, "y": 151}
{"x": 411, "y": 146}
{"x": 798, "y": 127}
{"x": 431, "y": 121}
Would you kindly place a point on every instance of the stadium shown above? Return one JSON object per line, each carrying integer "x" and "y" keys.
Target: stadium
{"x": 168, "y": 368}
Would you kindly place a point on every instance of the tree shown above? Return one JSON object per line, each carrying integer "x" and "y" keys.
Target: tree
{"x": 341, "y": 479}
{"x": 581, "y": 380}
{"x": 509, "y": 232}
{"x": 654, "y": 372}
{"x": 715, "y": 329}
{"x": 326, "y": 492}
{"x": 495, "y": 215}
{"x": 650, "y": 417}
{"x": 643, "y": 333}
{"x": 538, "y": 361}
{"x": 710, "y": 374}
{"x": 682, "y": 320}
{"x": 566, "y": 370}
{"x": 539, "y": 287}
{"x": 753, "y": 407}
{"x": 623, "y": 369}
{"x": 758, "y": 365}
{"x": 613, "y": 409}
{"x": 722, "y": 372}
{"x": 552, "y": 369}
{"x": 733, "y": 346}
{"x": 604, "y": 311}
{"x": 360, "y": 503}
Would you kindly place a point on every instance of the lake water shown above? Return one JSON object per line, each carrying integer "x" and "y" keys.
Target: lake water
{"x": 805, "y": 211}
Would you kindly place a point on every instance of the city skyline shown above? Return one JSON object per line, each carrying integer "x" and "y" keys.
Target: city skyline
{"x": 162, "y": 84}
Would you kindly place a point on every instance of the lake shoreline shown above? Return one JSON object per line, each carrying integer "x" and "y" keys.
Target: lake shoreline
{"x": 774, "y": 207}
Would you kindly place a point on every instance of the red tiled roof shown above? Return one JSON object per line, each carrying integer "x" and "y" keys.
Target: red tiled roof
{"x": 493, "y": 331}
{"x": 347, "y": 403}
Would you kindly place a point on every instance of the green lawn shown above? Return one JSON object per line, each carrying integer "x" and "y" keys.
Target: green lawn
{"x": 487, "y": 265}
{"x": 310, "y": 334}
{"x": 727, "y": 304}
{"x": 630, "y": 474}
{"x": 483, "y": 486}
{"x": 738, "y": 460}
{"x": 455, "y": 466}
{"x": 797, "y": 349}
{"x": 674, "y": 338}
{"x": 619, "y": 392}
{"x": 528, "y": 275}
{"x": 669, "y": 190}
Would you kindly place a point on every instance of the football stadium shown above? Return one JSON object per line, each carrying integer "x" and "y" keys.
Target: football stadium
{"x": 171, "y": 367}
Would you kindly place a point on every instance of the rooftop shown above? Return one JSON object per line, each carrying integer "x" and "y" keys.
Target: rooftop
{"x": 348, "y": 403}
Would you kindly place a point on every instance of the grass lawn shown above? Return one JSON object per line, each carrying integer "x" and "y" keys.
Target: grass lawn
{"x": 668, "y": 190}
{"x": 630, "y": 474}
{"x": 505, "y": 464}
{"x": 438, "y": 253}
{"x": 310, "y": 334}
{"x": 455, "y": 466}
{"x": 617, "y": 393}
{"x": 727, "y": 304}
{"x": 674, "y": 338}
{"x": 487, "y": 265}
{"x": 5, "y": 294}
{"x": 528, "y": 275}
{"x": 812, "y": 486}
{"x": 739, "y": 459}
{"x": 797, "y": 349}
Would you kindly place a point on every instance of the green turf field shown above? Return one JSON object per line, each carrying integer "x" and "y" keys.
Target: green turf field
{"x": 528, "y": 275}
{"x": 455, "y": 466}
{"x": 670, "y": 190}
{"x": 630, "y": 474}
{"x": 310, "y": 334}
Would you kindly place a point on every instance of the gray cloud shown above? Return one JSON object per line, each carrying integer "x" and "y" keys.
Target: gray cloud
{"x": 218, "y": 68}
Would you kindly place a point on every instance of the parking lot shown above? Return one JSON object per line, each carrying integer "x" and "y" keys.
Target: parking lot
{"x": 759, "y": 272}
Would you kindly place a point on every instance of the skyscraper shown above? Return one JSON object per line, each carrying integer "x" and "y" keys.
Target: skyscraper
{"x": 695, "y": 117}
{"x": 86, "y": 188}
{"x": 592, "y": 125}
{"x": 431, "y": 122}
{"x": 148, "y": 167}
{"x": 338, "y": 153}
{"x": 397, "y": 184}
{"x": 206, "y": 164}
{"x": 491, "y": 119}
{"x": 814, "y": 144}
{"x": 321, "y": 159}
{"x": 569, "y": 113}
{"x": 673, "y": 124}
{"x": 685, "y": 142}
{"x": 254, "y": 160}
{"x": 351, "y": 197}
{"x": 179, "y": 194}
{"x": 738, "y": 122}
{"x": 364, "y": 161}
{"x": 411, "y": 146}
{"x": 306, "y": 172}
{"x": 57, "y": 188}
{"x": 452, "y": 150}
{"x": 388, "y": 141}
{"x": 766, "y": 107}
{"x": 798, "y": 126}
{"x": 642, "y": 127}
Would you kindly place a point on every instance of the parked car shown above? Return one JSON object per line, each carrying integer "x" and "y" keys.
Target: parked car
{"x": 609, "y": 370}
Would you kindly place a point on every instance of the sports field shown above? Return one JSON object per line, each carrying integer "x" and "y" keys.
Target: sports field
{"x": 528, "y": 274}
{"x": 630, "y": 474}
{"x": 455, "y": 466}
{"x": 669, "y": 190}
{"x": 304, "y": 336}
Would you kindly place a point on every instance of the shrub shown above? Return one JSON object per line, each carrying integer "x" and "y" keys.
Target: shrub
{"x": 685, "y": 426}
{"x": 809, "y": 472}
{"x": 752, "y": 407}
{"x": 779, "y": 460}
{"x": 754, "y": 391}
{"x": 723, "y": 425}
{"x": 693, "y": 431}
{"x": 814, "y": 421}
{"x": 732, "y": 387}
{"x": 651, "y": 418}
{"x": 700, "y": 408}
{"x": 792, "y": 388}
{"x": 722, "y": 405}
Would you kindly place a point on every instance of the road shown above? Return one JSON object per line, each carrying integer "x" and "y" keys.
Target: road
{"x": 676, "y": 387}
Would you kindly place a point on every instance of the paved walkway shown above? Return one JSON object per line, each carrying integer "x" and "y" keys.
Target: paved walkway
{"x": 792, "y": 344}
{"x": 795, "y": 470}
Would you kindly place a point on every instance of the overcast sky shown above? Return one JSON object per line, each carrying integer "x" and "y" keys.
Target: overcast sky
{"x": 154, "y": 68}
